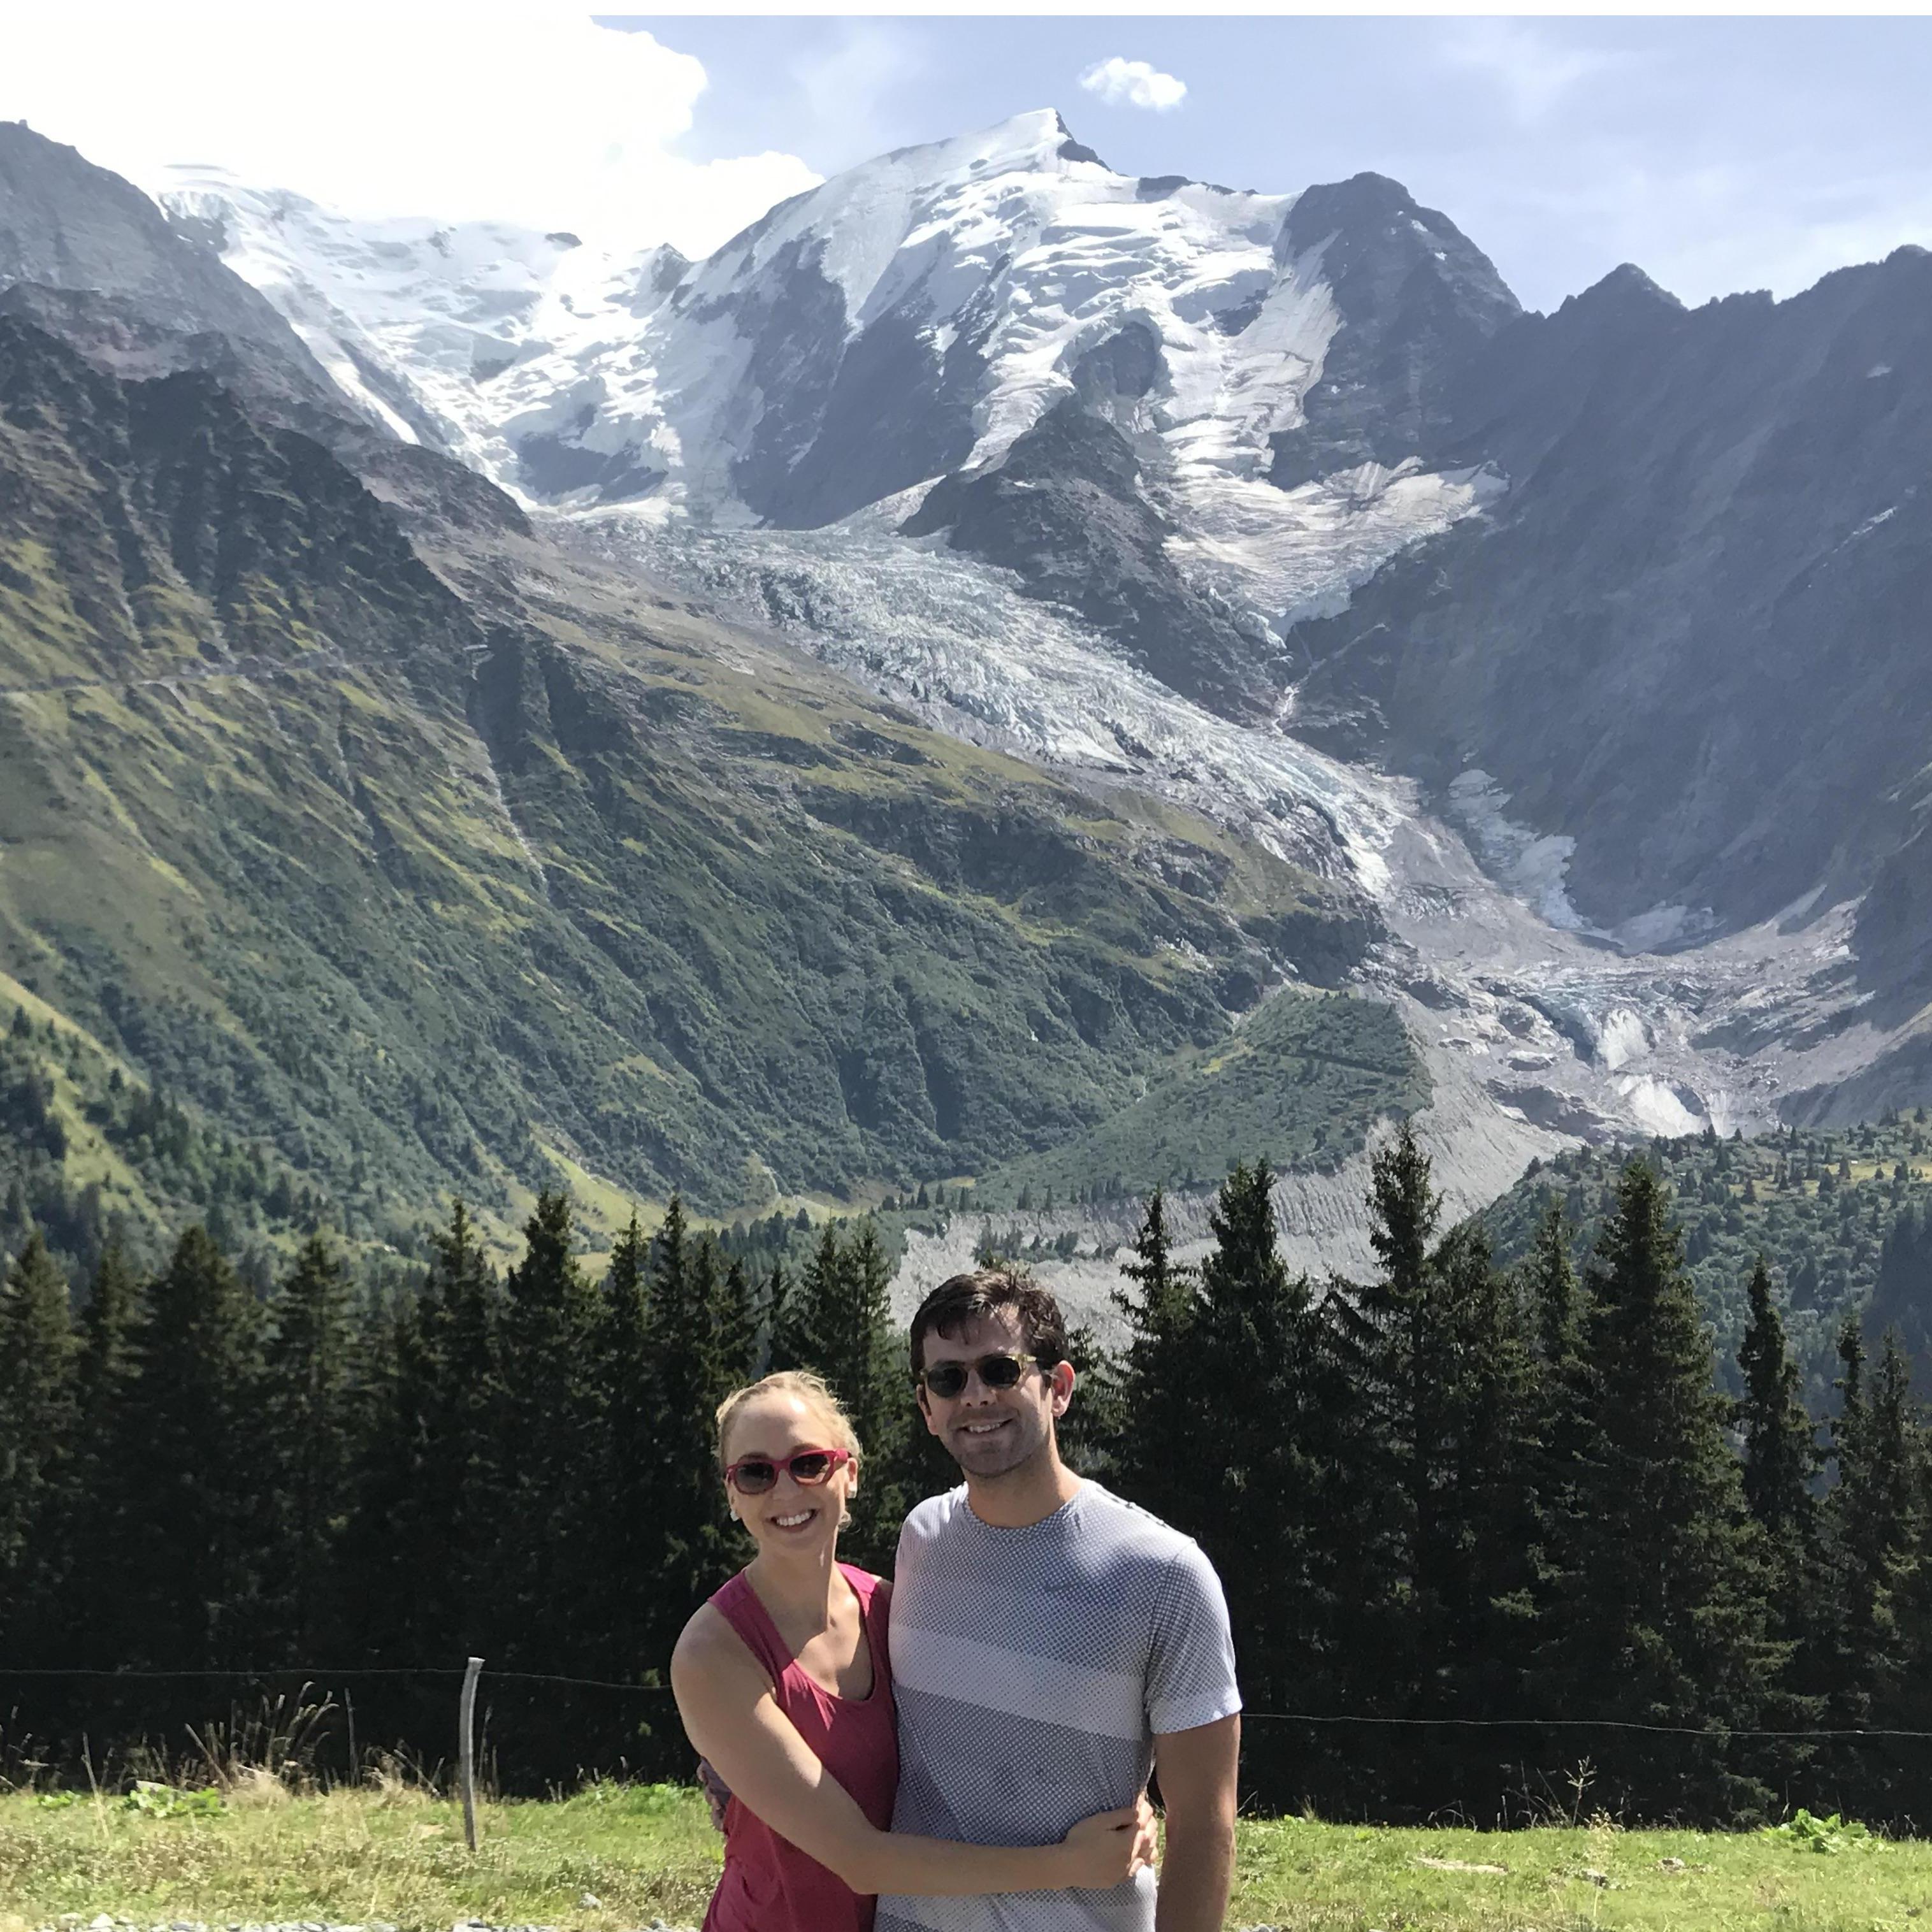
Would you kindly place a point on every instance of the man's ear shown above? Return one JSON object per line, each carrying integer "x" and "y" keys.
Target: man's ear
{"x": 925, "y": 1409}
{"x": 1060, "y": 1382}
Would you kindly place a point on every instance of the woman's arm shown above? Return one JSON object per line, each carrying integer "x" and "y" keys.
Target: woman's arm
{"x": 730, "y": 1715}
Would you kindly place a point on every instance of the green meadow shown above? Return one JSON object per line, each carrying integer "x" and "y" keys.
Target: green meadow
{"x": 615, "y": 1857}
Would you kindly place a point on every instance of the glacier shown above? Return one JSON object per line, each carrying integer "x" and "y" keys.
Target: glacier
{"x": 1536, "y": 1029}
{"x": 698, "y": 424}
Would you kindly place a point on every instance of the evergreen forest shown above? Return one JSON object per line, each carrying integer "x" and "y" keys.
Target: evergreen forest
{"x": 1497, "y": 1541}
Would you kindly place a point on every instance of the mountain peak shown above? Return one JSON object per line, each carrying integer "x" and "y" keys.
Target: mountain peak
{"x": 1413, "y": 292}
{"x": 1036, "y": 140}
{"x": 1625, "y": 288}
{"x": 1365, "y": 193}
{"x": 1356, "y": 210}
{"x": 1072, "y": 150}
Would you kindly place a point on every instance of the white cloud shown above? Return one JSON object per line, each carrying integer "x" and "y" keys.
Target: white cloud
{"x": 1532, "y": 70}
{"x": 1133, "y": 84}
{"x": 535, "y": 115}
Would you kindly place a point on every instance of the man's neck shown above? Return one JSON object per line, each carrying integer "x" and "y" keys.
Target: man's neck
{"x": 1039, "y": 1487}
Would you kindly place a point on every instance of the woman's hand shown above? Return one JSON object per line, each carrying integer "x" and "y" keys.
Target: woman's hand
{"x": 1111, "y": 1846}
{"x": 717, "y": 1794}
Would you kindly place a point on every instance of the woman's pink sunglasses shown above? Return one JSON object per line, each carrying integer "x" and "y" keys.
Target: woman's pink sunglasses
{"x": 752, "y": 1475}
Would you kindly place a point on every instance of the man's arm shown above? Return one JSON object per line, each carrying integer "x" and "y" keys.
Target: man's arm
{"x": 1197, "y": 1770}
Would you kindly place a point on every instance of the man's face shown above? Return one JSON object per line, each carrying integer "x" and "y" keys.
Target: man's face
{"x": 991, "y": 1432}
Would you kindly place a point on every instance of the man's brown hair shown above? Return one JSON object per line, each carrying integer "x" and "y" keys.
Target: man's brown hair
{"x": 967, "y": 1298}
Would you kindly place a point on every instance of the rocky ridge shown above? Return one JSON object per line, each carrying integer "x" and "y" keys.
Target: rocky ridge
{"x": 1001, "y": 310}
{"x": 460, "y": 864}
{"x": 1277, "y": 510}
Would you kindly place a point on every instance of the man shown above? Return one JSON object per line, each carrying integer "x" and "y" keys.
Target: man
{"x": 1050, "y": 1643}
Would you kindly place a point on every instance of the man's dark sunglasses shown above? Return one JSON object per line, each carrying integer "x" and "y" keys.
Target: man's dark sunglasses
{"x": 948, "y": 1379}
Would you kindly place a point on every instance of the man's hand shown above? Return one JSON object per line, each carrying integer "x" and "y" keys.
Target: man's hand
{"x": 1197, "y": 1770}
{"x": 717, "y": 1793}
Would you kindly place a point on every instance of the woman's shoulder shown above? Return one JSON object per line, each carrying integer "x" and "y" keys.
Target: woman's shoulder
{"x": 706, "y": 1631}
{"x": 867, "y": 1585}
{"x": 709, "y": 1636}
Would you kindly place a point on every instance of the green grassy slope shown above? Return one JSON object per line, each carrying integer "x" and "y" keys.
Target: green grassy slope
{"x": 614, "y": 1857}
{"x": 1288, "y": 1084}
{"x": 86, "y": 1149}
{"x": 477, "y": 876}
{"x": 1781, "y": 1195}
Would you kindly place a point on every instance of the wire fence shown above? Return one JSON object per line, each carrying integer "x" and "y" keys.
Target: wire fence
{"x": 512, "y": 1731}
{"x": 318, "y": 1674}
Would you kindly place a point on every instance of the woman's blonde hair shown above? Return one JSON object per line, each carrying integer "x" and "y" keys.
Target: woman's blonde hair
{"x": 807, "y": 1388}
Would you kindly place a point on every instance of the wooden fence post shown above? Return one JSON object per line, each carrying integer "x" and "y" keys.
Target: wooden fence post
{"x": 466, "y": 1751}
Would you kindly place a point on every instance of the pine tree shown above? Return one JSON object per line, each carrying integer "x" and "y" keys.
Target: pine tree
{"x": 861, "y": 1359}
{"x": 195, "y": 1525}
{"x": 1871, "y": 1520}
{"x": 96, "y": 1600}
{"x": 1093, "y": 1431}
{"x": 392, "y": 1561}
{"x": 1251, "y": 1484}
{"x": 836, "y": 1321}
{"x": 459, "y": 1354}
{"x": 633, "y": 1450}
{"x": 420, "y": 1550}
{"x": 1550, "y": 1283}
{"x": 1394, "y": 1346}
{"x": 1901, "y": 1297}
{"x": 1780, "y": 1455}
{"x": 694, "y": 1554}
{"x": 737, "y": 1324}
{"x": 778, "y": 1291}
{"x": 107, "y": 1325}
{"x": 848, "y": 1314}
{"x": 1562, "y": 1395}
{"x": 1161, "y": 1397}
{"x": 800, "y": 1340}
{"x": 1400, "y": 1353}
{"x": 39, "y": 1418}
{"x": 311, "y": 1444}
{"x": 1661, "y": 1621}
{"x": 552, "y": 1442}
{"x": 1780, "y": 1460}
{"x": 1485, "y": 1459}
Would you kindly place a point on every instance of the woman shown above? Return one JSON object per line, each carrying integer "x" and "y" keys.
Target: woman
{"x": 784, "y": 1683}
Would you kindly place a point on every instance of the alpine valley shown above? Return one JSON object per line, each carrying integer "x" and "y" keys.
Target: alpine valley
{"x": 1007, "y": 674}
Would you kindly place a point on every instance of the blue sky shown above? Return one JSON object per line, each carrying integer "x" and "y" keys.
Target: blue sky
{"x": 1718, "y": 153}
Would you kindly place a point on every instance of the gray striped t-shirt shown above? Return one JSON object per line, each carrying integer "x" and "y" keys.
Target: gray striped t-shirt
{"x": 1032, "y": 1668}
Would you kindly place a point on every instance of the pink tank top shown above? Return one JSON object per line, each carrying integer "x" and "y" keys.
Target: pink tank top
{"x": 769, "y": 1884}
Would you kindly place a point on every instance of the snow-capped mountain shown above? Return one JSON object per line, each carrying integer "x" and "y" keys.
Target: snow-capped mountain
{"x": 977, "y": 421}
{"x": 920, "y": 317}
{"x": 419, "y": 321}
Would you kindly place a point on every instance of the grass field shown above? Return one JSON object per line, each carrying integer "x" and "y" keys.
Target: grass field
{"x": 613, "y": 1858}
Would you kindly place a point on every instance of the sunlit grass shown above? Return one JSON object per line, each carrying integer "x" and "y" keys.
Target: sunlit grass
{"x": 1307, "y": 1877}
{"x": 396, "y": 1857}
{"x": 617, "y": 1857}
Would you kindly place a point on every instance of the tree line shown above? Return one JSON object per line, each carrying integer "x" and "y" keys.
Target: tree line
{"x": 1445, "y": 1493}
{"x": 1492, "y": 1540}
{"x": 343, "y": 1485}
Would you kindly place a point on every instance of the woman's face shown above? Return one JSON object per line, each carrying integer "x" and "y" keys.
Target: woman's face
{"x": 789, "y": 1516}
